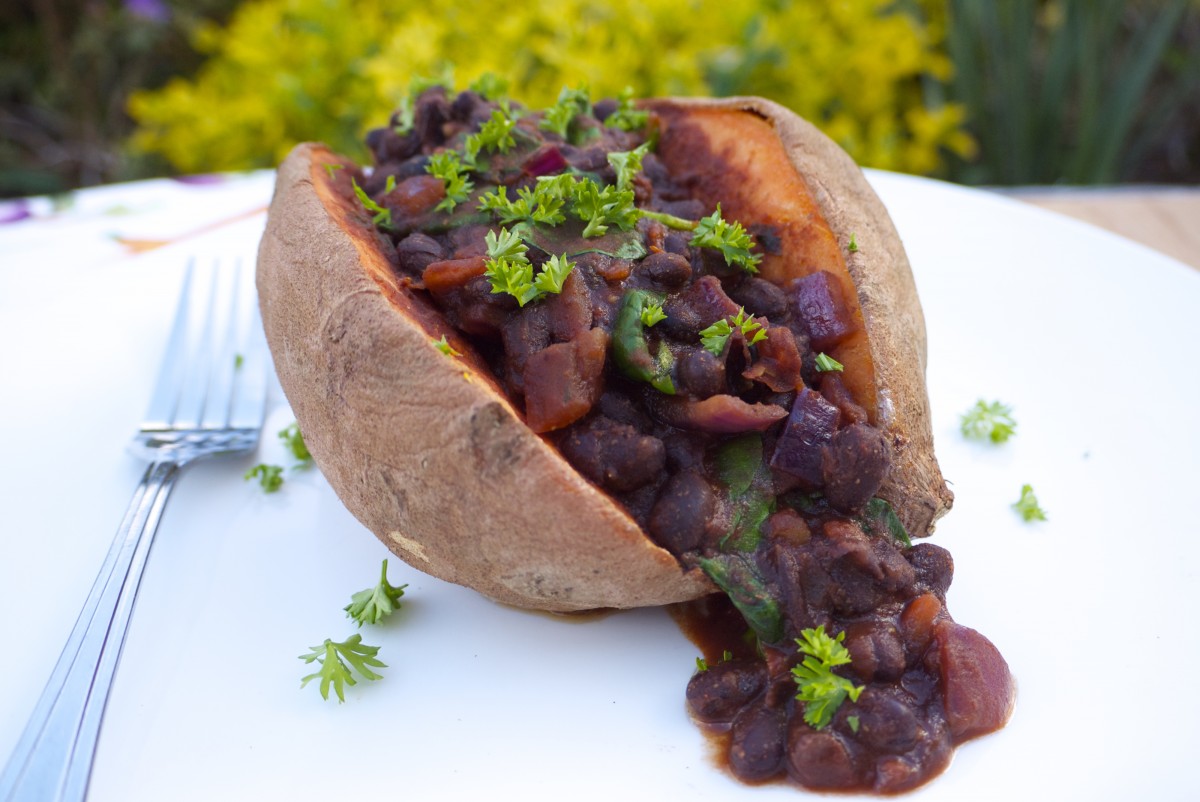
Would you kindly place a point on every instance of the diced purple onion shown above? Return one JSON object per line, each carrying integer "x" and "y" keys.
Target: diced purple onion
{"x": 546, "y": 160}
{"x": 810, "y": 427}
{"x": 819, "y": 305}
{"x": 723, "y": 414}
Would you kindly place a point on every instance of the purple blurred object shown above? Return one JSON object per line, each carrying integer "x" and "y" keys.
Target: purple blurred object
{"x": 202, "y": 179}
{"x": 810, "y": 427}
{"x": 150, "y": 10}
{"x": 14, "y": 211}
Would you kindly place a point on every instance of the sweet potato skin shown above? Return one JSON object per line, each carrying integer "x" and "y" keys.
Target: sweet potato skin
{"x": 425, "y": 450}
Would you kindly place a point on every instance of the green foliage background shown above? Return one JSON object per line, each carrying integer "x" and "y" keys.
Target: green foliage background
{"x": 1020, "y": 91}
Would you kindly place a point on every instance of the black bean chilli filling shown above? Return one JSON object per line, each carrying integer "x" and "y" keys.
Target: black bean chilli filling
{"x": 626, "y": 319}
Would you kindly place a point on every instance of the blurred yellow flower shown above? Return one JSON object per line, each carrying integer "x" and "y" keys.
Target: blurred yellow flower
{"x": 285, "y": 71}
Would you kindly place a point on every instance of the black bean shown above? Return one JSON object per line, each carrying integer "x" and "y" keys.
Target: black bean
{"x": 757, "y": 743}
{"x": 819, "y": 759}
{"x": 934, "y": 567}
{"x": 669, "y": 271}
{"x": 680, "y": 519}
{"x": 613, "y": 454}
{"x": 876, "y": 650}
{"x": 854, "y": 465}
{"x": 675, "y": 242}
{"x": 700, "y": 373}
{"x": 885, "y": 722}
{"x": 760, "y": 297}
{"x": 471, "y": 108}
{"x": 417, "y": 251}
{"x": 718, "y": 693}
{"x": 430, "y": 111}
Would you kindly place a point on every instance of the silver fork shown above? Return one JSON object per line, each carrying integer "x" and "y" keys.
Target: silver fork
{"x": 209, "y": 400}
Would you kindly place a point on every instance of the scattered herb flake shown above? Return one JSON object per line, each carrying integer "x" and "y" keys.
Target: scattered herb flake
{"x": 853, "y": 722}
{"x": 332, "y": 657}
{"x": 294, "y": 442}
{"x": 449, "y": 167}
{"x": 821, "y": 690}
{"x": 733, "y": 241}
{"x": 627, "y": 164}
{"x": 826, "y": 363}
{"x": 653, "y": 313}
{"x": 332, "y": 168}
{"x": 571, "y": 104}
{"x": 552, "y": 275}
{"x": 992, "y": 421}
{"x": 701, "y": 664}
{"x": 270, "y": 477}
{"x": 382, "y": 216}
{"x": 1027, "y": 505}
{"x": 715, "y": 336}
{"x": 491, "y": 86}
{"x": 372, "y": 605}
{"x": 853, "y": 246}
{"x": 445, "y": 347}
{"x": 626, "y": 117}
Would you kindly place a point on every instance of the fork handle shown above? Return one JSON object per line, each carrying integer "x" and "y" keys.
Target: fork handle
{"x": 53, "y": 758}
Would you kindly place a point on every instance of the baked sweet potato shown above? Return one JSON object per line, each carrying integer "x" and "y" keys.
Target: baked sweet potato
{"x": 430, "y": 454}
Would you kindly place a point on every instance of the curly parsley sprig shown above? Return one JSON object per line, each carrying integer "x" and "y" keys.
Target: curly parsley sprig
{"x": 989, "y": 421}
{"x": 372, "y": 605}
{"x": 731, "y": 239}
{"x": 821, "y": 690}
{"x": 509, "y": 270}
{"x": 382, "y": 214}
{"x": 337, "y": 660}
{"x": 571, "y": 103}
{"x": 715, "y": 336}
{"x": 626, "y": 117}
{"x": 449, "y": 167}
{"x": 1027, "y": 505}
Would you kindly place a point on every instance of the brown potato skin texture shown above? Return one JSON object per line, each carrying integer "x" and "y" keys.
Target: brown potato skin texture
{"x": 425, "y": 450}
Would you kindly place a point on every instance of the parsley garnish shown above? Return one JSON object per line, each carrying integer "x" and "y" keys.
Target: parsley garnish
{"x": 626, "y": 117}
{"x": 294, "y": 442}
{"x": 571, "y": 103}
{"x": 733, "y": 241}
{"x": 494, "y": 135}
{"x": 821, "y": 690}
{"x": 715, "y": 336}
{"x": 652, "y": 313}
{"x": 372, "y": 605}
{"x": 992, "y": 421}
{"x": 600, "y": 208}
{"x": 1027, "y": 505}
{"x": 270, "y": 477}
{"x": 552, "y": 275}
{"x": 333, "y": 657}
{"x": 445, "y": 347}
{"x": 628, "y": 164}
{"x": 382, "y": 215}
{"x": 448, "y": 167}
{"x": 509, "y": 270}
{"x": 543, "y": 204}
{"x": 490, "y": 85}
{"x": 826, "y": 363}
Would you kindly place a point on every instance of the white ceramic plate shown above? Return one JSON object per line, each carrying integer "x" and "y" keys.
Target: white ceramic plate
{"x": 1093, "y": 340}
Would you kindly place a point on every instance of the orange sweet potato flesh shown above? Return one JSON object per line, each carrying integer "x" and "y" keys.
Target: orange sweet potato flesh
{"x": 428, "y": 453}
